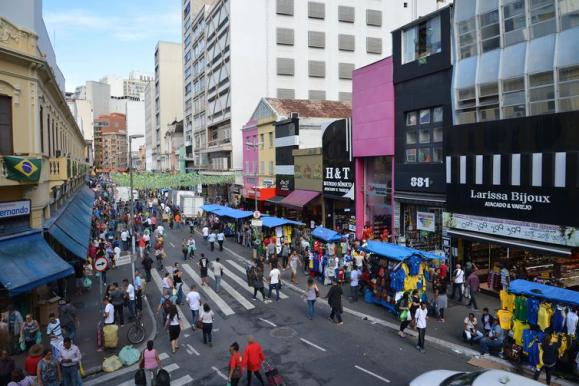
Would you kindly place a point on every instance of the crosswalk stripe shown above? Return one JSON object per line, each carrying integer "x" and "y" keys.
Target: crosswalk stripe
{"x": 182, "y": 381}
{"x": 241, "y": 282}
{"x": 159, "y": 283}
{"x": 209, "y": 291}
{"x": 172, "y": 367}
{"x": 163, "y": 356}
{"x": 243, "y": 301}
{"x": 242, "y": 270}
{"x": 169, "y": 368}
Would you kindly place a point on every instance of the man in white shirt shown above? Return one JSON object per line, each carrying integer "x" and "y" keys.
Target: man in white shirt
{"x": 69, "y": 359}
{"x": 212, "y": 237}
{"x": 421, "y": 315}
{"x": 125, "y": 239}
{"x": 220, "y": 239}
{"x": 274, "y": 282}
{"x": 160, "y": 230}
{"x": 205, "y": 232}
{"x": 116, "y": 255}
{"x": 218, "y": 272}
{"x": 571, "y": 322}
{"x": 194, "y": 300}
{"x": 354, "y": 282}
{"x": 130, "y": 291}
{"x": 457, "y": 282}
{"x": 109, "y": 313}
{"x": 54, "y": 332}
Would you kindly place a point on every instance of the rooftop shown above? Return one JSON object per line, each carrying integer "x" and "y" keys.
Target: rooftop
{"x": 311, "y": 108}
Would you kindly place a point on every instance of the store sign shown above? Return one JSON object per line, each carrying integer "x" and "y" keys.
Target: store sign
{"x": 426, "y": 221}
{"x": 535, "y": 204}
{"x": 14, "y": 208}
{"x": 337, "y": 161}
{"x": 284, "y": 184}
{"x": 552, "y": 234}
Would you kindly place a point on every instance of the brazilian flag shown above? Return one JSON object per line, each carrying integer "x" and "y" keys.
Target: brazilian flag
{"x": 23, "y": 168}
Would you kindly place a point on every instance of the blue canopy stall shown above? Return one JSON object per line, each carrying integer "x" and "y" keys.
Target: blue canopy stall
{"x": 326, "y": 235}
{"x": 546, "y": 292}
{"x": 211, "y": 208}
{"x": 272, "y": 222}
{"x": 395, "y": 251}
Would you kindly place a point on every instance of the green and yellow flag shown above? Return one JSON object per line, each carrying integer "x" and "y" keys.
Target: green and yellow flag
{"x": 23, "y": 168}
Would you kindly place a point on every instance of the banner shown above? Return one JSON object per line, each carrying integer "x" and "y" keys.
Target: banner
{"x": 22, "y": 168}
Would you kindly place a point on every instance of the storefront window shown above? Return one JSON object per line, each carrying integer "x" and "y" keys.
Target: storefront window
{"x": 378, "y": 178}
{"x": 422, "y": 227}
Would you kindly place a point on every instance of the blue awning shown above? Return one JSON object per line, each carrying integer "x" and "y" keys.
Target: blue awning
{"x": 395, "y": 251}
{"x": 213, "y": 208}
{"x": 272, "y": 222}
{"x": 234, "y": 213}
{"x": 68, "y": 242}
{"x": 542, "y": 291}
{"x": 326, "y": 234}
{"x": 28, "y": 262}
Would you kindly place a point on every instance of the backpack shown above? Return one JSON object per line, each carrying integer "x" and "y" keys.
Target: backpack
{"x": 162, "y": 378}
{"x": 140, "y": 378}
{"x": 48, "y": 372}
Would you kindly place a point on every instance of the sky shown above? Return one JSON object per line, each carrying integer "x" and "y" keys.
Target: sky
{"x": 93, "y": 38}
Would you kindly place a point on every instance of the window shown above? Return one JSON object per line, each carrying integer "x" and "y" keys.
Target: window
{"x": 286, "y": 93}
{"x": 285, "y": 7}
{"x": 374, "y": 17}
{"x": 421, "y": 40}
{"x": 374, "y": 45}
{"x": 411, "y": 118}
{"x": 569, "y": 89}
{"x": 317, "y": 95}
{"x": 270, "y": 168}
{"x": 345, "y": 70}
{"x": 187, "y": 40}
{"x": 261, "y": 141}
{"x": 513, "y": 98}
{"x": 285, "y": 36}
{"x": 541, "y": 93}
{"x": 270, "y": 134}
{"x": 346, "y": 14}
{"x": 569, "y": 11}
{"x": 316, "y": 69}
{"x": 424, "y": 116}
{"x": 423, "y": 137}
{"x": 5, "y": 125}
{"x": 346, "y": 42}
{"x": 188, "y": 89}
{"x": 316, "y": 10}
{"x": 437, "y": 134}
{"x": 542, "y": 17}
{"x": 489, "y": 30}
{"x": 285, "y": 66}
{"x": 467, "y": 38}
{"x": 410, "y": 155}
{"x": 437, "y": 114}
{"x": 411, "y": 137}
{"x": 261, "y": 167}
{"x": 345, "y": 96}
{"x": 186, "y": 10}
{"x": 316, "y": 39}
{"x": 515, "y": 22}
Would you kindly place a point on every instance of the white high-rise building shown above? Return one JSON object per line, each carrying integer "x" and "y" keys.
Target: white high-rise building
{"x": 150, "y": 140}
{"x": 115, "y": 83}
{"x": 133, "y": 86}
{"x": 236, "y": 52}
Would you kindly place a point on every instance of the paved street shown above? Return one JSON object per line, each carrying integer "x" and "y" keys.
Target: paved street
{"x": 306, "y": 352}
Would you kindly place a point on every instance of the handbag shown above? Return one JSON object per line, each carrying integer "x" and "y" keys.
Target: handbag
{"x": 199, "y": 324}
{"x": 404, "y": 315}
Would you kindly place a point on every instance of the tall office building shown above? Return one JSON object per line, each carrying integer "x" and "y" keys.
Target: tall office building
{"x": 150, "y": 141}
{"x": 235, "y": 52}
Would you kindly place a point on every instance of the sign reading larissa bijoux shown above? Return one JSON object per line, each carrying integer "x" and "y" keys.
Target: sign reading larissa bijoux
{"x": 536, "y": 204}
{"x": 337, "y": 161}
{"x": 552, "y": 234}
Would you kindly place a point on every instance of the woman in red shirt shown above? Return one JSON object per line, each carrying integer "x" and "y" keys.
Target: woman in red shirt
{"x": 235, "y": 364}
{"x": 34, "y": 356}
{"x": 252, "y": 359}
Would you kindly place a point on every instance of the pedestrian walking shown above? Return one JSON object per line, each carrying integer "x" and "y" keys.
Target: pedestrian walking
{"x": 441, "y": 300}
{"x": 550, "y": 355}
{"x": 178, "y": 284}
{"x": 294, "y": 262}
{"x": 15, "y": 322}
{"x": 285, "y": 252}
{"x": 194, "y": 301}
{"x": 334, "y": 297}
{"x": 211, "y": 238}
{"x": 185, "y": 248}
{"x": 235, "y": 365}
{"x": 68, "y": 319}
{"x": 205, "y": 232}
{"x": 109, "y": 312}
{"x": 173, "y": 323}
{"x": 131, "y": 298}
{"x": 421, "y": 316}
{"x": 54, "y": 333}
{"x": 252, "y": 360}
{"x": 457, "y": 282}
{"x": 354, "y": 283}
{"x": 69, "y": 359}
{"x": 147, "y": 264}
{"x": 473, "y": 284}
{"x": 203, "y": 267}
{"x": 206, "y": 318}
{"x": 274, "y": 282}
{"x": 220, "y": 239}
{"x": 6, "y": 367}
{"x": 403, "y": 306}
{"x": 150, "y": 360}
{"x": 118, "y": 300}
{"x": 191, "y": 247}
{"x": 34, "y": 356}
{"x": 311, "y": 294}
{"x": 167, "y": 284}
{"x": 138, "y": 284}
{"x": 257, "y": 283}
{"x": 48, "y": 372}
{"x": 28, "y": 331}
{"x": 217, "y": 273}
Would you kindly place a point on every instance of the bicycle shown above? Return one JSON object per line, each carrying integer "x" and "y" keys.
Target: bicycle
{"x": 136, "y": 333}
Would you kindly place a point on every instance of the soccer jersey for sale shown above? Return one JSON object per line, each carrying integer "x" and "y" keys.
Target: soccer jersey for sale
{"x": 544, "y": 316}
{"x": 505, "y": 318}
{"x": 532, "y": 310}
{"x": 507, "y": 300}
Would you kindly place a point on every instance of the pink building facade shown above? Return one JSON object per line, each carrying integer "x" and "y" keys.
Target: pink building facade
{"x": 373, "y": 148}
{"x": 250, "y": 155}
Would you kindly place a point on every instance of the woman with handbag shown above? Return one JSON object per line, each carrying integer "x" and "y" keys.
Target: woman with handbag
{"x": 404, "y": 310}
{"x": 235, "y": 365}
{"x": 312, "y": 292}
{"x": 28, "y": 332}
{"x": 150, "y": 361}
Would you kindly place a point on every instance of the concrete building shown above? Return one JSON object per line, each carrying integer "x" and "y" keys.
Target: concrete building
{"x": 115, "y": 83}
{"x": 133, "y": 86}
{"x": 150, "y": 138}
{"x": 236, "y": 52}
{"x": 174, "y": 143}
{"x": 168, "y": 97}
{"x": 99, "y": 95}
{"x": 108, "y": 128}
{"x": 134, "y": 109}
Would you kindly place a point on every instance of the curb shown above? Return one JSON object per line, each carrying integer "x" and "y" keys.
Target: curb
{"x": 98, "y": 369}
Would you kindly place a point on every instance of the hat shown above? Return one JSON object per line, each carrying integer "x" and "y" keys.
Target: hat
{"x": 36, "y": 350}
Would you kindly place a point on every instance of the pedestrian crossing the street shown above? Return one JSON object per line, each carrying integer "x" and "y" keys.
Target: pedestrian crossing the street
{"x": 159, "y": 283}
{"x": 242, "y": 270}
{"x": 172, "y": 369}
{"x": 223, "y": 306}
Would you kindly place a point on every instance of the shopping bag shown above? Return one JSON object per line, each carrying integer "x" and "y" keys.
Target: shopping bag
{"x": 404, "y": 315}
{"x": 140, "y": 377}
{"x": 162, "y": 378}
{"x": 111, "y": 335}
{"x": 272, "y": 375}
{"x": 129, "y": 355}
{"x": 81, "y": 369}
{"x": 111, "y": 364}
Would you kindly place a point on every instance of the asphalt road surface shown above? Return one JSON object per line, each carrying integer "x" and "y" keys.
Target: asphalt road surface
{"x": 306, "y": 352}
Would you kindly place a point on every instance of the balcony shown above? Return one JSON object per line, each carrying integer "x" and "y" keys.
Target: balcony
{"x": 58, "y": 169}
{"x": 5, "y": 181}
{"x": 221, "y": 144}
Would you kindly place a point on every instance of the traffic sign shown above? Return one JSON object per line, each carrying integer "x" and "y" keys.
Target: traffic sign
{"x": 256, "y": 214}
{"x": 101, "y": 264}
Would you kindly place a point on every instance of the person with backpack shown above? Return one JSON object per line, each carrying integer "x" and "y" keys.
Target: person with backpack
{"x": 149, "y": 362}
{"x": 48, "y": 372}
{"x": 173, "y": 323}
{"x": 235, "y": 365}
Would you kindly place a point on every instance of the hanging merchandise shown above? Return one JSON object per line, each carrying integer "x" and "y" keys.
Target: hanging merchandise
{"x": 544, "y": 316}
{"x": 507, "y": 300}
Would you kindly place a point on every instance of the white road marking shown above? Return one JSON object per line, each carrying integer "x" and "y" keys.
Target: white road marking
{"x": 241, "y": 282}
{"x": 243, "y": 301}
{"x": 242, "y": 270}
{"x": 170, "y": 368}
{"x": 312, "y": 344}
{"x": 219, "y": 373}
{"x": 209, "y": 291}
{"x": 182, "y": 381}
{"x": 186, "y": 335}
{"x": 173, "y": 245}
{"x": 159, "y": 283}
{"x": 189, "y": 352}
{"x": 192, "y": 349}
{"x": 163, "y": 356}
{"x": 268, "y": 322}
{"x": 372, "y": 374}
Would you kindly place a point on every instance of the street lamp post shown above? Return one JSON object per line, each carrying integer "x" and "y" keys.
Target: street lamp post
{"x": 133, "y": 246}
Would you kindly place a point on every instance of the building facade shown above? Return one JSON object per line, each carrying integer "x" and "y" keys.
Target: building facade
{"x": 511, "y": 157}
{"x": 109, "y": 155}
{"x": 150, "y": 132}
{"x": 298, "y": 49}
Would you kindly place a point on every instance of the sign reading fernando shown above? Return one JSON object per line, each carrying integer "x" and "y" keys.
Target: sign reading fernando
{"x": 22, "y": 168}
{"x": 338, "y": 165}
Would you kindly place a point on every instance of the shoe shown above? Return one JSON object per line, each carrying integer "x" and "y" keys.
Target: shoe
{"x": 418, "y": 348}
{"x": 340, "y": 323}
{"x": 422, "y": 350}
{"x": 254, "y": 299}
{"x": 401, "y": 334}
